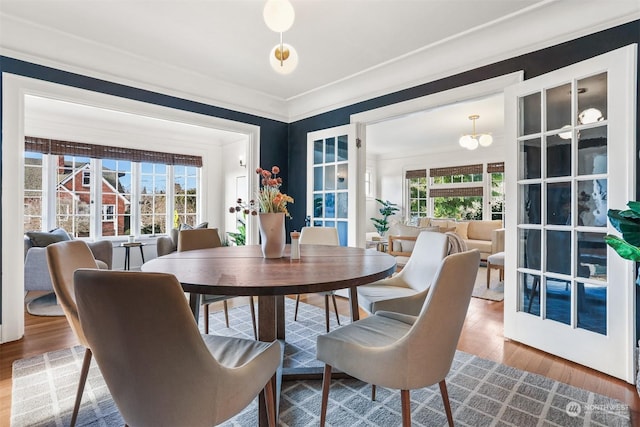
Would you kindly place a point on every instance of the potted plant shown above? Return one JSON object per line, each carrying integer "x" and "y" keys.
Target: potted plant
{"x": 627, "y": 222}
{"x": 387, "y": 209}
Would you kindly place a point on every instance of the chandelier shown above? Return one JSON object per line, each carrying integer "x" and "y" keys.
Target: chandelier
{"x": 472, "y": 140}
{"x": 279, "y": 16}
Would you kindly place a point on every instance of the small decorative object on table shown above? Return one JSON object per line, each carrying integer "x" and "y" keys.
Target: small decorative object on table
{"x": 272, "y": 207}
{"x": 295, "y": 245}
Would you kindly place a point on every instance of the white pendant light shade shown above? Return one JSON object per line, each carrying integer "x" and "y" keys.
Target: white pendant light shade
{"x": 566, "y": 132}
{"x": 278, "y": 15}
{"x": 474, "y": 140}
{"x": 465, "y": 141}
{"x": 590, "y": 115}
{"x": 485, "y": 140}
{"x": 283, "y": 58}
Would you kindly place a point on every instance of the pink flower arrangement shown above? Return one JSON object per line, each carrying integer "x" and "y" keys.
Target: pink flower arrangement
{"x": 270, "y": 198}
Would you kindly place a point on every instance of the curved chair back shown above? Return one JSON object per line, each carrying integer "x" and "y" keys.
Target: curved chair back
{"x": 64, "y": 258}
{"x": 198, "y": 238}
{"x": 435, "y": 334}
{"x": 319, "y": 236}
{"x": 151, "y": 354}
{"x": 430, "y": 248}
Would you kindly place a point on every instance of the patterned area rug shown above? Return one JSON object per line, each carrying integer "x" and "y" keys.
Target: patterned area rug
{"x": 495, "y": 291}
{"x": 482, "y": 392}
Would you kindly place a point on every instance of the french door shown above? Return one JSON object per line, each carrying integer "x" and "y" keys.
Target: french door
{"x": 571, "y": 158}
{"x": 334, "y": 181}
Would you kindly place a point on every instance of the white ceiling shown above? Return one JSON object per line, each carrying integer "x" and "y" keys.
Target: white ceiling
{"x": 215, "y": 51}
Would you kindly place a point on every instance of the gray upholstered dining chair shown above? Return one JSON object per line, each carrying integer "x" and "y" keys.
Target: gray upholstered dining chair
{"x": 320, "y": 236}
{"x": 405, "y": 352}
{"x": 406, "y": 291}
{"x": 63, "y": 259}
{"x": 203, "y": 238}
{"x": 158, "y": 367}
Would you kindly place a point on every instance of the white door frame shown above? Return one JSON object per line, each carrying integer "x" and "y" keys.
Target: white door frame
{"x": 15, "y": 88}
{"x": 613, "y": 353}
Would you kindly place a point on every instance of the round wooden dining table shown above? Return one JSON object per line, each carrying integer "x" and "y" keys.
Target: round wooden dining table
{"x": 243, "y": 271}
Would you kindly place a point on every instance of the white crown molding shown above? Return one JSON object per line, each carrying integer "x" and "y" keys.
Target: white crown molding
{"x": 124, "y": 68}
{"x": 489, "y": 43}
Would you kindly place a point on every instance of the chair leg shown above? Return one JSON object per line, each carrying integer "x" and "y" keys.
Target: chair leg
{"x": 206, "y": 318}
{"x": 373, "y": 392}
{"x": 488, "y": 273}
{"x": 270, "y": 401}
{"x": 445, "y": 400}
{"x": 502, "y": 274}
{"x": 326, "y": 311}
{"x": 405, "y": 399}
{"x": 335, "y": 308}
{"x": 253, "y": 318}
{"x": 295, "y": 313}
{"x": 326, "y": 383}
{"x": 226, "y": 312}
{"x": 86, "y": 362}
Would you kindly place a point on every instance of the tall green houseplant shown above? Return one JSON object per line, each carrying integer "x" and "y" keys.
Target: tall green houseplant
{"x": 387, "y": 209}
{"x": 627, "y": 222}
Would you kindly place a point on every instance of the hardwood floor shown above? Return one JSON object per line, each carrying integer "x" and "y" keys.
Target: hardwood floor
{"x": 482, "y": 336}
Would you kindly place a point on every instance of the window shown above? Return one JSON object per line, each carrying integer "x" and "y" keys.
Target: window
{"x": 417, "y": 185}
{"x": 129, "y": 188}
{"x": 457, "y": 192}
{"x": 108, "y": 212}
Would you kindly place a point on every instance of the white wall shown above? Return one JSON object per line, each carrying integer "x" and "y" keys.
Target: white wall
{"x": 235, "y": 183}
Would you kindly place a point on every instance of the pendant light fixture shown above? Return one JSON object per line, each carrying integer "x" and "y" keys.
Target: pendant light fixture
{"x": 279, "y": 16}
{"x": 472, "y": 140}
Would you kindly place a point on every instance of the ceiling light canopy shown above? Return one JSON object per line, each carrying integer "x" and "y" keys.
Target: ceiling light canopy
{"x": 278, "y": 15}
{"x": 283, "y": 58}
{"x": 473, "y": 140}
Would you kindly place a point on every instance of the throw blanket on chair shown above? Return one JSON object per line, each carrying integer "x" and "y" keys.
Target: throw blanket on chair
{"x": 456, "y": 243}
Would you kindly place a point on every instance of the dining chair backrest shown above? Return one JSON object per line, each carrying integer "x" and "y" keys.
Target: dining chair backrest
{"x": 435, "y": 333}
{"x": 198, "y": 238}
{"x": 149, "y": 348}
{"x": 430, "y": 248}
{"x": 319, "y": 236}
{"x": 63, "y": 259}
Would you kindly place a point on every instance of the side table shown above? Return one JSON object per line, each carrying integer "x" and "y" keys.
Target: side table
{"x": 127, "y": 252}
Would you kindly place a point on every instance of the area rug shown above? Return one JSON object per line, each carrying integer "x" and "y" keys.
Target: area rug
{"x": 482, "y": 392}
{"x": 495, "y": 291}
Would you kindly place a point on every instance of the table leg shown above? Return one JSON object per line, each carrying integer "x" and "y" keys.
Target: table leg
{"x": 194, "y": 302}
{"x": 280, "y": 328}
{"x": 126, "y": 258}
{"x": 142, "y": 254}
{"x": 267, "y": 331}
{"x": 353, "y": 300}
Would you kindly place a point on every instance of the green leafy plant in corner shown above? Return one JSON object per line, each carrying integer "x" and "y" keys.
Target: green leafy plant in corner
{"x": 387, "y": 209}
{"x": 627, "y": 222}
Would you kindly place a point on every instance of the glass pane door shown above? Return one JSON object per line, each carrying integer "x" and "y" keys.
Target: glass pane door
{"x": 332, "y": 180}
{"x": 569, "y": 293}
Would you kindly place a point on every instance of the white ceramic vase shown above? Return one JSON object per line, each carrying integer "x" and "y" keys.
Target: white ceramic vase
{"x": 272, "y": 234}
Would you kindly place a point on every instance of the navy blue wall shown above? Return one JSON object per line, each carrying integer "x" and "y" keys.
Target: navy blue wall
{"x": 533, "y": 64}
{"x": 273, "y": 134}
